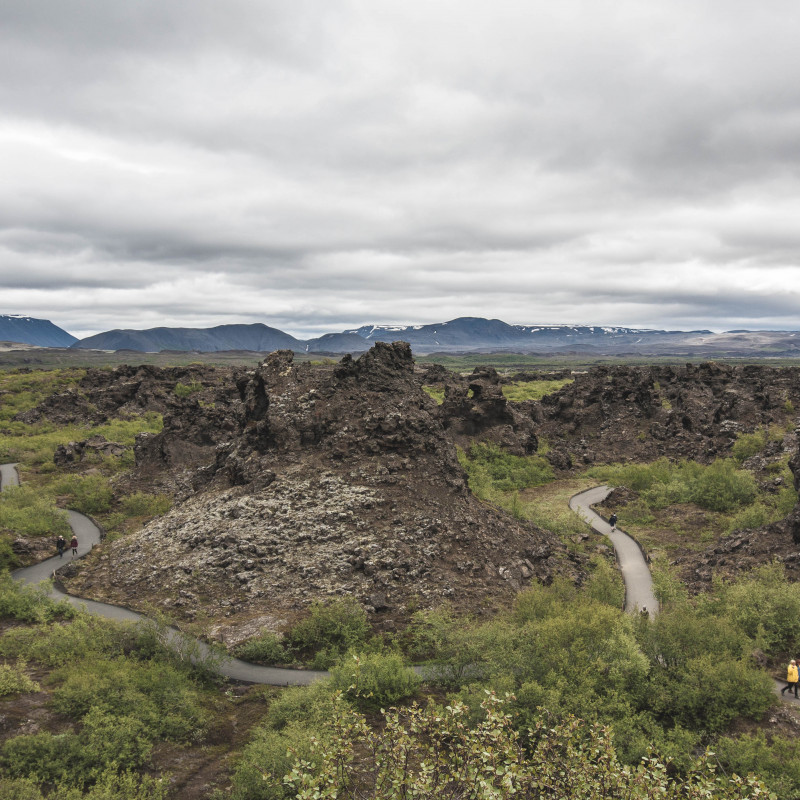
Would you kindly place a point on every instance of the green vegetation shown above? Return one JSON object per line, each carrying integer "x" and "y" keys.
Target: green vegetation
{"x": 750, "y": 444}
{"x": 728, "y": 494}
{"x": 330, "y": 630}
{"x": 436, "y": 392}
{"x": 266, "y": 648}
{"x": 375, "y": 680}
{"x": 123, "y": 692}
{"x": 294, "y": 719}
{"x": 490, "y": 470}
{"x": 432, "y": 752}
{"x": 23, "y": 389}
{"x": 520, "y": 391}
{"x": 184, "y": 389}
{"x": 32, "y": 509}
{"x": 14, "y": 679}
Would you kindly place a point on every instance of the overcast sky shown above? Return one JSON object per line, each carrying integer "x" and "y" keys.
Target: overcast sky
{"x": 316, "y": 165}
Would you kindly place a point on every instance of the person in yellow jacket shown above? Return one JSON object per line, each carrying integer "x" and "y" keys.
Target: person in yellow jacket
{"x": 791, "y": 678}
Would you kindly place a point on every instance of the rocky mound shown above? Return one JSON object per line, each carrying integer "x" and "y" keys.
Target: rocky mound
{"x": 643, "y": 413}
{"x": 127, "y": 391}
{"x": 322, "y": 482}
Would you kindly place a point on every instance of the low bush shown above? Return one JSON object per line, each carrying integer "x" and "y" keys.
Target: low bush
{"x": 45, "y": 758}
{"x": 142, "y": 504}
{"x": 109, "y": 785}
{"x": 295, "y": 717}
{"x": 55, "y": 644}
{"x": 27, "y": 512}
{"x": 777, "y": 762}
{"x": 749, "y": 444}
{"x": 375, "y": 680}
{"x": 186, "y": 389}
{"x": 14, "y": 679}
{"x": 89, "y": 494}
{"x": 435, "y": 392}
{"x": 491, "y": 469}
{"x": 721, "y": 487}
{"x": 330, "y": 630}
{"x": 156, "y": 694}
{"x": 29, "y": 603}
{"x": 266, "y": 648}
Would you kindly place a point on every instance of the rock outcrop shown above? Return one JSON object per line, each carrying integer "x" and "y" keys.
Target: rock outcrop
{"x": 322, "y": 482}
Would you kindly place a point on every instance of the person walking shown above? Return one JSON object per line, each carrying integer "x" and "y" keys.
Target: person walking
{"x": 61, "y": 545}
{"x": 74, "y": 545}
{"x": 612, "y": 520}
{"x": 791, "y": 677}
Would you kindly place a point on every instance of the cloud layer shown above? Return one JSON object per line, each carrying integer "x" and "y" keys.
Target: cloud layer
{"x": 318, "y": 165}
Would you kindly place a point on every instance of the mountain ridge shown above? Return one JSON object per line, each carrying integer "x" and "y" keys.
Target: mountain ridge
{"x": 29, "y": 330}
{"x": 457, "y": 336}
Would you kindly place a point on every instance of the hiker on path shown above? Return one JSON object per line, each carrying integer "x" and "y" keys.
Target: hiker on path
{"x": 612, "y": 520}
{"x": 74, "y": 545}
{"x": 61, "y": 545}
{"x": 791, "y": 678}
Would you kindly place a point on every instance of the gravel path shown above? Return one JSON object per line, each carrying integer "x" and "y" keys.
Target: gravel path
{"x": 632, "y": 564}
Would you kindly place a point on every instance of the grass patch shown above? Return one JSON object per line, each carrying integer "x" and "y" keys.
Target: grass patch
{"x": 491, "y": 470}
{"x": 520, "y": 391}
{"x": 436, "y": 392}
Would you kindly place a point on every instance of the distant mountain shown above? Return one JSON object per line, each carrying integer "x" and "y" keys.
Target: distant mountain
{"x": 478, "y": 334}
{"x": 257, "y": 337}
{"x": 28, "y": 330}
{"x": 461, "y": 335}
{"x": 338, "y": 343}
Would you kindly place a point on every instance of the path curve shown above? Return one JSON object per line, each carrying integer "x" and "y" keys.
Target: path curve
{"x": 89, "y": 535}
{"x": 632, "y": 564}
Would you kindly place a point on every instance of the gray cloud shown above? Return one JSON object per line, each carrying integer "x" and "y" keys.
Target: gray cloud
{"x": 316, "y": 165}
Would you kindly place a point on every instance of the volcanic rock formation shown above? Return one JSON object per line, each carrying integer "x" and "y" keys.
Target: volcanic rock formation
{"x": 322, "y": 482}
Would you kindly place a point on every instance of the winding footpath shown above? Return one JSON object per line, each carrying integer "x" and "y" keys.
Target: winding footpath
{"x": 632, "y": 563}
{"x": 88, "y": 536}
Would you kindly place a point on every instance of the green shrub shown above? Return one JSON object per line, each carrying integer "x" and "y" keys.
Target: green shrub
{"x": 184, "y": 389}
{"x": 89, "y": 494}
{"x": 159, "y": 696}
{"x": 753, "y": 516}
{"x": 708, "y": 693}
{"x": 56, "y": 644}
{"x": 24, "y": 510}
{"x": 142, "y": 504}
{"x": 259, "y": 772}
{"x": 118, "y": 741}
{"x": 765, "y": 605}
{"x": 748, "y": 445}
{"x": 330, "y": 630}
{"x": 44, "y": 758}
{"x": 489, "y": 468}
{"x": 776, "y": 762}
{"x": 14, "y": 679}
{"x": 266, "y": 648}
{"x": 721, "y": 487}
{"x": 293, "y": 718}
{"x": 375, "y": 680}
{"x": 29, "y": 603}
{"x": 8, "y": 558}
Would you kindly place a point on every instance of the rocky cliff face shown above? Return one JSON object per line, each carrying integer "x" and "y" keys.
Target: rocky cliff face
{"x": 320, "y": 483}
